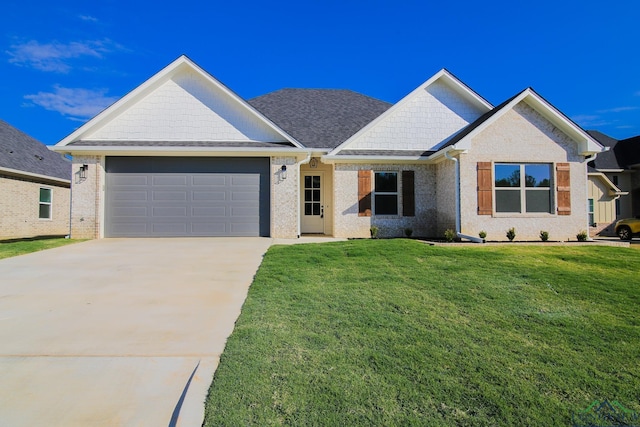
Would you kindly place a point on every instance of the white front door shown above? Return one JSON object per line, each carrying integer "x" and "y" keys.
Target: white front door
{"x": 312, "y": 208}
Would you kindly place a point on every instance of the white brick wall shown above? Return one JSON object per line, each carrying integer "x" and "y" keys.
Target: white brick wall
{"x": 349, "y": 224}
{"x": 184, "y": 108}
{"x": 520, "y": 136}
{"x": 88, "y": 197}
{"x": 424, "y": 121}
{"x": 284, "y": 198}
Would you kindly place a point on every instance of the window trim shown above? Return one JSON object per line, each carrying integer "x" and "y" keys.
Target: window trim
{"x": 49, "y": 203}
{"x": 375, "y": 193}
{"x": 522, "y": 189}
{"x": 591, "y": 212}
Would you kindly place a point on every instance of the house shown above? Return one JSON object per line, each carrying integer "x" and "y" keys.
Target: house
{"x": 614, "y": 183}
{"x": 34, "y": 187}
{"x": 183, "y": 155}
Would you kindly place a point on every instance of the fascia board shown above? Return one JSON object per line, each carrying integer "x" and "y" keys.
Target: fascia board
{"x": 442, "y": 74}
{"x": 16, "y": 172}
{"x": 179, "y": 151}
{"x": 153, "y": 82}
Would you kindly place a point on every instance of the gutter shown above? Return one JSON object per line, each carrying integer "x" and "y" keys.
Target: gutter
{"x": 458, "y": 233}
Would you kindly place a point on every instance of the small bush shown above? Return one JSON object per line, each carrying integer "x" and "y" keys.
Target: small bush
{"x": 511, "y": 234}
{"x": 482, "y": 234}
{"x": 374, "y": 232}
{"x": 449, "y": 235}
{"x": 544, "y": 236}
{"x": 582, "y": 236}
{"x": 408, "y": 232}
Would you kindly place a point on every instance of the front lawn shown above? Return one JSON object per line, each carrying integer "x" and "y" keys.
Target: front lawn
{"x": 395, "y": 332}
{"x": 9, "y": 249}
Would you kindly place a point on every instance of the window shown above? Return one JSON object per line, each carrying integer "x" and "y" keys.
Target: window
{"x": 523, "y": 188}
{"x": 45, "y": 203}
{"x": 385, "y": 199}
{"x": 592, "y": 218}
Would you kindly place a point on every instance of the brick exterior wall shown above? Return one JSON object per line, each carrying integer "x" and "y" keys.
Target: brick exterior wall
{"x": 87, "y": 209}
{"x": 284, "y": 198}
{"x": 347, "y": 223}
{"x": 426, "y": 119}
{"x": 20, "y": 202}
{"x": 522, "y": 135}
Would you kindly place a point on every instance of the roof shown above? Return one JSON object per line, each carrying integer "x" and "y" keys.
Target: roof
{"x": 622, "y": 154}
{"x": 20, "y": 152}
{"x": 587, "y": 142}
{"x": 319, "y": 118}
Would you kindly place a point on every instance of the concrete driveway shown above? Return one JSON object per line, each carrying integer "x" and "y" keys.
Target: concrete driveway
{"x": 119, "y": 332}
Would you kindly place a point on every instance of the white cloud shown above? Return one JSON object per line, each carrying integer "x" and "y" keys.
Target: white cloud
{"x": 55, "y": 56}
{"x": 88, "y": 18}
{"x": 617, "y": 110}
{"x": 75, "y": 103}
{"x": 590, "y": 120}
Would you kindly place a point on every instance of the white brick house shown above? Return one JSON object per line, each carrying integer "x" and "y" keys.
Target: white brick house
{"x": 182, "y": 155}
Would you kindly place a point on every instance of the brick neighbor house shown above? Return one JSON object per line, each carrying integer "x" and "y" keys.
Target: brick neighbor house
{"x": 34, "y": 187}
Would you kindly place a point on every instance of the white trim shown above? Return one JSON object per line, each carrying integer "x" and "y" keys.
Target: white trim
{"x": 614, "y": 190}
{"x": 443, "y": 74}
{"x": 180, "y": 151}
{"x": 152, "y": 83}
{"x": 35, "y": 175}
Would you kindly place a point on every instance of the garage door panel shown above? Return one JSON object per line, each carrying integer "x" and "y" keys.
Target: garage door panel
{"x": 187, "y": 197}
{"x": 208, "y": 195}
{"x": 164, "y": 195}
{"x": 179, "y": 180}
{"x": 210, "y": 180}
{"x": 208, "y": 212}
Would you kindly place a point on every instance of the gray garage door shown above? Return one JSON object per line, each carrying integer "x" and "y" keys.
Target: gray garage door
{"x": 186, "y": 196}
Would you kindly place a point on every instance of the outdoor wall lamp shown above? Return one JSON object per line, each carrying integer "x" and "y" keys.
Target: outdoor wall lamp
{"x": 82, "y": 174}
{"x": 283, "y": 172}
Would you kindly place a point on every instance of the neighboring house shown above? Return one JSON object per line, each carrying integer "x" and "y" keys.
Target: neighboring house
{"x": 34, "y": 187}
{"x": 614, "y": 183}
{"x": 182, "y": 155}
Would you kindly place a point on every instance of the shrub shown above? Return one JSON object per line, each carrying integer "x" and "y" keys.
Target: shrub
{"x": 544, "y": 236}
{"x": 511, "y": 234}
{"x": 482, "y": 234}
{"x": 408, "y": 232}
{"x": 374, "y": 232}
{"x": 582, "y": 236}
{"x": 449, "y": 235}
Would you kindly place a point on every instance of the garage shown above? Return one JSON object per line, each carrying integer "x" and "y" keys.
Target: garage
{"x": 186, "y": 196}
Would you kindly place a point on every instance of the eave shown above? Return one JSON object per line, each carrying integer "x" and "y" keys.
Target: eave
{"x": 36, "y": 176}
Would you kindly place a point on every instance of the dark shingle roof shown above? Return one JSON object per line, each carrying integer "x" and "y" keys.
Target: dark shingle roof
{"x": 319, "y": 118}
{"x": 21, "y": 152}
{"x": 621, "y": 155}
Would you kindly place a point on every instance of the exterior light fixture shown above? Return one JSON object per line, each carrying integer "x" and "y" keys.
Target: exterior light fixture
{"x": 283, "y": 172}
{"x": 82, "y": 174}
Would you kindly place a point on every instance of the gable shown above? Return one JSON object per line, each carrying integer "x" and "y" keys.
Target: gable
{"x": 522, "y": 133}
{"x": 185, "y": 107}
{"x": 426, "y": 119}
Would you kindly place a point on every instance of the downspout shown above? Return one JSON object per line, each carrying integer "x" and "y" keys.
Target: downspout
{"x": 458, "y": 220}
{"x": 586, "y": 165}
{"x": 298, "y": 164}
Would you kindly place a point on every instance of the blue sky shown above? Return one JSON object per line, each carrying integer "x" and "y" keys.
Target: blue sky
{"x": 62, "y": 62}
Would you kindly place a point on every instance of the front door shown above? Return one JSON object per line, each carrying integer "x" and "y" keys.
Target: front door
{"x": 312, "y": 203}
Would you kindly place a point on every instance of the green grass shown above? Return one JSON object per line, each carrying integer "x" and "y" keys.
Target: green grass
{"x": 10, "y": 249}
{"x": 395, "y": 332}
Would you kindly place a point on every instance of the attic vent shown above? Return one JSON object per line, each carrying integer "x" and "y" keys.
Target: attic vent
{"x": 38, "y": 157}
